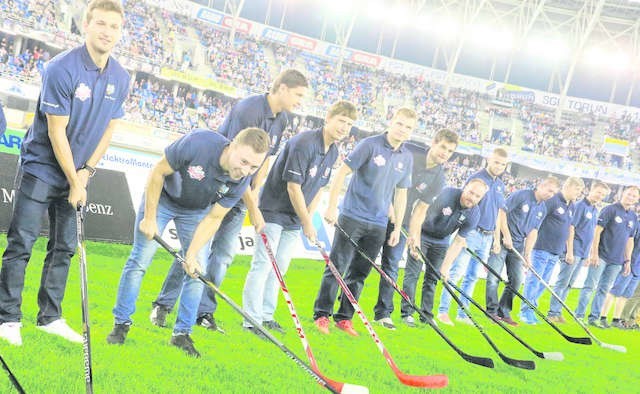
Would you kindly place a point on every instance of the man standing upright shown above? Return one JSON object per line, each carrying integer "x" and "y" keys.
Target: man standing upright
{"x": 583, "y": 226}
{"x": 492, "y": 224}
{"x": 381, "y": 167}
{"x": 610, "y": 253}
{"x": 83, "y": 90}
{"x": 428, "y": 180}
{"x": 551, "y": 243}
{"x": 288, "y": 201}
{"x": 268, "y": 112}
{"x": 526, "y": 210}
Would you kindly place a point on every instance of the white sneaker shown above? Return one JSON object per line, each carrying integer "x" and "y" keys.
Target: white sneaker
{"x": 386, "y": 322}
{"x": 10, "y": 331}
{"x": 61, "y": 328}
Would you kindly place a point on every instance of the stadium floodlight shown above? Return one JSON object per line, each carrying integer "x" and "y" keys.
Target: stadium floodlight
{"x": 618, "y": 61}
{"x": 447, "y": 28}
{"x": 595, "y": 57}
{"x": 376, "y": 10}
{"x": 338, "y": 7}
{"x": 490, "y": 38}
{"x": 554, "y": 49}
{"x": 400, "y": 15}
{"x": 423, "y": 22}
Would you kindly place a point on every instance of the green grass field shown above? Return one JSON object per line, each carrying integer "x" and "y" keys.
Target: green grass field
{"x": 238, "y": 362}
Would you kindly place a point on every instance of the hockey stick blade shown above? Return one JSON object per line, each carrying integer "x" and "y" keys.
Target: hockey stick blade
{"x": 523, "y": 364}
{"x": 555, "y": 356}
{"x": 579, "y": 340}
{"x": 617, "y": 348}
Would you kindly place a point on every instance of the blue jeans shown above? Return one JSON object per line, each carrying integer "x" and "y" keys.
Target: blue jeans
{"x": 543, "y": 263}
{"x": 260, "y": 294}
{"x": 590, "y": 283}
{"x": 346, "y": 260}
{"x": 186, "y": 221}
{"x": 434, "y": 254}
{"x": 566, "y": 277}
{"x": 223, "y": 250}
{"x": 515, "y": 277}
{"x": 481, "y": 244}
{"x": 609, "y": 275}
{"x": 33, "y": 199}
{"x": 389, "y": 263}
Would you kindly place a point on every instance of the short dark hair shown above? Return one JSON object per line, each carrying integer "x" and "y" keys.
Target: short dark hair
{"x": 290, "y": 78}
{"x": 446, "y": 135}
{"x": 344, "y": 108}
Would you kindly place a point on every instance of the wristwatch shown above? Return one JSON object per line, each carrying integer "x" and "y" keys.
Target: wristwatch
{"x": 92, "y": 171}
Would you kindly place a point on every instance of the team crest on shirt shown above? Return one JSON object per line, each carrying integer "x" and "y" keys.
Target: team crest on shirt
{"x": 560, "y": 211}
{"x": 618, "y": 219}
{"x": 539, "y": 215}
{"x": 111, "y": 89}
{"x": 588, "y": 215}
{"x": 379, "y": 161}
{"x": 447, "y": 211}
{"x": 83, "y": 92}
{"x": 630, "y": 224}
{"x": 421, "y": 187}
{"x": 313, "y": 171}
{"x": 400, "y": 166}
{"x": 525, "y": 208}
{"x": 196, "y": 172}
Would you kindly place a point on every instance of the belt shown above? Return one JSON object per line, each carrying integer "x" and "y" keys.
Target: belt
{"x": 484, "y": 232}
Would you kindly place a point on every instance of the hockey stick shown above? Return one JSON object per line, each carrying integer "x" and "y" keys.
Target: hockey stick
{"x": 524, "y": 364}
{"x": 618, "y": 348}
{"x": 579, "y": 340}
{"x": 426, "y": 381}
{"x": 12, "y": 377}
{"x": 339, "y": 386}
{"x": 84, "y": 291}
{"x": 482, "y": 361}
{"x": 257, "y": 325}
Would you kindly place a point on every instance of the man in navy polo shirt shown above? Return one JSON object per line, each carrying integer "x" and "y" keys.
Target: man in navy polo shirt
{"x": 610, "y": 253}
{"x": 83, "y": 90}
{"x": 269, "y": 112}
{"x": 197, "y": 171}
{"x": 551, "y": 243}
{"x": 625, "y": 285}
{"x": 381, "y": 167}
{"x": 583, "y": 226}
{"x": 453, "y": 209}
{"x": 300, "y": 171}
{"x": 525, "y": 211}
{"x": 428, "y": 180}
{"x": 492, "y": 224}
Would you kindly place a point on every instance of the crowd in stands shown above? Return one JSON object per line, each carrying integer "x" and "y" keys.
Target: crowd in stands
{"x": 166, "y": 39}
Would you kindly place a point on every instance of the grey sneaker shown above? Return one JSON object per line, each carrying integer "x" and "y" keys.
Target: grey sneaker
{"x": 595, "y": 323}
{"x": 409, "y": 321}
{"x": 619, "y": 324}
{"x": 273, "y": 326}
{"x": 209, "y": 322}
{"x": 158, "y": 315}
{"x": 118, "y": 334}
{"x": 184, "y": 342}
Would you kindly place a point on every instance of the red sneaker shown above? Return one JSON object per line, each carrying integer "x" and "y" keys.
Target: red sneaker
{"x": 323, "y": 324}
{"x": 347, "y": 326}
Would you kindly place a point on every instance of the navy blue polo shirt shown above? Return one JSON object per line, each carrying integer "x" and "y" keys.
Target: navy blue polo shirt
{"x": 618, "y": 226}
{"x": 554, "y": 230}
{"x": 635, "y": 254}
{"x": 254, "y": 111}
{"x": 492, "y": 201}
{"x": 426, "y": 183}
{"x": 585, "y": 218}
{"x": 377, "y": 171}
{"x": 73, "y": 86}
{"x": 199, "y": 180}
{"x": 303, "y": 161}
{"x": 524, "y": 214}
{"x": 445, "y": 215}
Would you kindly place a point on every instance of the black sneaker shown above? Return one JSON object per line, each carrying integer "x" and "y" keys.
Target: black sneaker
{"x": 158, "y": 315}
{"x": 258, "y": 333}
{"x": 118, "y": 334}
{"x": 184, "y": 342}
{"x": 619, "y": 324}
{"x": 273, "y": 326}
{"x": 209, "y": 322}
